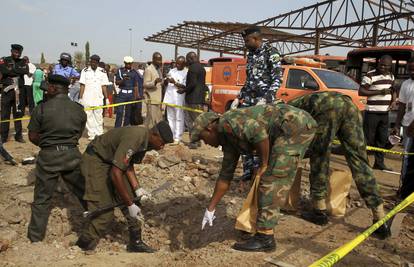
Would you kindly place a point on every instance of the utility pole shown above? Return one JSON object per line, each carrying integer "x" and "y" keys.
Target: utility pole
{"x": 130, "y": 41}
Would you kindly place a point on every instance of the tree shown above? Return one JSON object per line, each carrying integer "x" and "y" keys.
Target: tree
{"x": 42, "y": 58}
{"x": 87, "y": 52}
{"x": 78, "y": 59}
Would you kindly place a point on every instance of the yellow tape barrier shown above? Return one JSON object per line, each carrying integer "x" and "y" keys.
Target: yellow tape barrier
{"x": 377, "y": 149}
{"x": 336, "y": 255}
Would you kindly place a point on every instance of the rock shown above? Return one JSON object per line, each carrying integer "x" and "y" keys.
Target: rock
{"x": 202, "y": 167}
{"x": 70, "y": 240}
{"x": 13, "y": 215}
{"x": 8, "y": 235}
{"x": 186, "y": 188}
{"x": 26, "y": 197}
{"x": 167, "y": 242}
{"x": 212, "y": 170}
{"x": 167, "y": 161}
{"x": 187, "y": 179}
{"x": 205, "y": 175}
{"x": 4, "y": 245}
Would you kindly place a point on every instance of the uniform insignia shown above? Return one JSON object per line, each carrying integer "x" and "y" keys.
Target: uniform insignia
{"x": 128, "y": 155}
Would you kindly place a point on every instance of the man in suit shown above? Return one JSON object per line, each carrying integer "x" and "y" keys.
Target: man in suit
{"x": 153, "y": 90}
{"x": 195, "y": 91}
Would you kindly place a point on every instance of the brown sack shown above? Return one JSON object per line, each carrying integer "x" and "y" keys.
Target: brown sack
{"x": 338, "y": 190}
{"x": 246, "y": 220}
{"x": 292, "y": 201}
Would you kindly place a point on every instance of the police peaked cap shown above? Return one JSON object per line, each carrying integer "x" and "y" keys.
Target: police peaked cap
{"x": 164, "y": 130}
{"x": 66, "y": 56}
{"x": 58, "y": 79}
{"x": 250, "y": 30}
{"x": 17, "y": 47}
{"x": 95, "y": 57}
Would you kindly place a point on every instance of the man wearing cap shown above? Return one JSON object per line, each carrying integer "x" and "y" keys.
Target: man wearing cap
{"x": 12, "y": 70}
{"x": 153, "y": 81}
{"x": 64, "y": 67}
{"x": 127, "y": 79}
{"x": 107, "y": 166}
{"x": 55, "y": 126}
{"x": 263, "y": 79}
{"x": 93, "y": 81}
{"x": 279, "y": 134}
{"x": 338, "y": 117}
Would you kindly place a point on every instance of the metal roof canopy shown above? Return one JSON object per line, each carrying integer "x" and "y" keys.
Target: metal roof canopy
{"x": 344, "y": 23}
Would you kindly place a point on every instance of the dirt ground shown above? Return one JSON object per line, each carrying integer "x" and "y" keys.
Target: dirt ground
{"x": 173, "y": 219}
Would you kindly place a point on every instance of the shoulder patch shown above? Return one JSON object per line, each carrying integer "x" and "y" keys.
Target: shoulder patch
{"x": 128, "y": 155}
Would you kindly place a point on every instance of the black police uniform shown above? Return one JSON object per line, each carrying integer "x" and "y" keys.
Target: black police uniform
{"x": 13, "y": 71}
{"x": 60, "y": 123}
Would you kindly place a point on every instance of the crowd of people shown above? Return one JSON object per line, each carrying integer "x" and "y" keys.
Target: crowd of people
{"x": 271, "y": 136}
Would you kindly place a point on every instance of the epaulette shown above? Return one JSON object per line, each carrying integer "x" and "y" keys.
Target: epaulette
{"x": 85, "y": 69}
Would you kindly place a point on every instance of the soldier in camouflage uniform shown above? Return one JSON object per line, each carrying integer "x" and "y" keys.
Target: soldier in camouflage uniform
{"x": 279, "y": 135}
{"x": 263, "y": 79}
{"x": 338, "y": 116}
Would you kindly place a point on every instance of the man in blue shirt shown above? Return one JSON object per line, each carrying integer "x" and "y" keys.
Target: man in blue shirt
{"x": 64, "y": 68}
{"x": 127, "y": 79}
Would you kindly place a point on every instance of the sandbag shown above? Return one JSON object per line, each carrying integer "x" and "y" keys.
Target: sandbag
{"x": 246, "y": 220}
{"x": 338, "y": 190}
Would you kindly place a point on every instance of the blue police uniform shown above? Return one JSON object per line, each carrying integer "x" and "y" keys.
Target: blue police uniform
{"x": 67, "y": 72}
{"x": 126, "y": 93}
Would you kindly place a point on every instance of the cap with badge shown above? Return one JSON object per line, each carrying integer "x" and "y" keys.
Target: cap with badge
{"x": 200, "y": 123}
{"x": 95, "y": 57}
{"x": 65, "y": 56}
{"x": 250, "y": 30}
{"x": 17, "y": 47}
{"x": 128, "y": 59}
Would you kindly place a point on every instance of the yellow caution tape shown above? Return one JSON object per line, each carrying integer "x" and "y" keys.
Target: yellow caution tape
{"x": 336, "y": 255}
{"x": 377, "y": 149}
{"x": 114, "y": 105}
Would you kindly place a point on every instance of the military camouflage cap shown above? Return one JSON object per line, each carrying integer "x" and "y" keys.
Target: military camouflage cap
{"x": 200, "y": 123}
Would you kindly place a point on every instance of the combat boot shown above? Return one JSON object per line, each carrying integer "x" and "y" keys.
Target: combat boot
{"x": 136, "y": 244}
{"x": 319, "y": 214}
{"x": 384, "y": 231}
{"x": 86, "y": 244}
{"x": 258, "y": 243}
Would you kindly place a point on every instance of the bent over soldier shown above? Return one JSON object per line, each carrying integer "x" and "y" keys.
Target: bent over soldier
{"x": 279, "y": 134}
{"x": 55, "y": 126}
{"x": 337, "y": 115}
{"x": 107, "y": 166}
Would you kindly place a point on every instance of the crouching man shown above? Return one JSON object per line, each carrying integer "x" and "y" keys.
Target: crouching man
{"x": 279, "y": 135}
{"x": 107, "y": 165}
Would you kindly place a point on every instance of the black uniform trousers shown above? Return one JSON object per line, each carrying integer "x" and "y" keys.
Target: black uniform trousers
{"x": 27, "y": 97}
{"x": 376, "y": 133}
{"x": 8, "y": 104}
{"x": 50, "y": 165}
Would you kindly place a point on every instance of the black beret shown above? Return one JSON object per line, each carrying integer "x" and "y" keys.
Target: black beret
{"x": 95, "y": 57}
{"x": 58, "y": 79}
{"x": 17, "y": 47}
{"x": 250, "y": 30}
{"x": 165, "y": 132}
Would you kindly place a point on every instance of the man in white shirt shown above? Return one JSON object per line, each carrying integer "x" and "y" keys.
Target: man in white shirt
{"x": 27, "y": 94}
{"x": 174, "y": 94}
{"x": 405, "y": 114}
{"x": 93, "y": 81}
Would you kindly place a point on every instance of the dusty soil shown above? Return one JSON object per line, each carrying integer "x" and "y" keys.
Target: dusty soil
{"x": 173, "y": 220}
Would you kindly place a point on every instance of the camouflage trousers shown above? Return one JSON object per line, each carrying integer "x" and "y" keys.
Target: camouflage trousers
{"x": 345, "y": 122}
{"x": 287, "y": 151}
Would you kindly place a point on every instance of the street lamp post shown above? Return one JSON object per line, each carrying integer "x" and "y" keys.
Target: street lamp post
{"x": 130, "y": 41}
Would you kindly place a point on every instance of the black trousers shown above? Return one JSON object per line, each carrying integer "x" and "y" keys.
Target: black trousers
{"x": 27, "y": 97}
{"x": 8, "y": 104}
{"x": 376, "y": 133}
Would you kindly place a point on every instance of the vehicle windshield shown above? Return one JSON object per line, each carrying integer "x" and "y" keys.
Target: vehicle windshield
{"x": 336, "y": 80}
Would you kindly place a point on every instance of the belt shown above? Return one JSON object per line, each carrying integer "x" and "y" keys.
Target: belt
{"x": 127, "y": 91}
{"x": 59, "y": 147}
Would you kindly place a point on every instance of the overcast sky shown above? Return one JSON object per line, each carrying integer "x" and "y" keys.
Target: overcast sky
{"x": 50, "y": 26}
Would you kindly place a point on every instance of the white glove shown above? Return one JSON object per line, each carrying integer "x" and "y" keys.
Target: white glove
{"x": 208, "y": 218}
{"x": 261, "y": 101}
{"x": 142, "y": 193}
{"x": 134, "y": 211}
{"x": 235, "y": 103}
{"x": 80, "y": 101}
{"x": 106, "y": 101}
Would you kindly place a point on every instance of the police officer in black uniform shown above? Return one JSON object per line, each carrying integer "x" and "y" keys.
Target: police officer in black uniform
{"x": 13, "y": 69}
{"x": 55, "y": 126}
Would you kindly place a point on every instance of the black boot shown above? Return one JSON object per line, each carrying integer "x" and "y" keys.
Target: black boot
{"x": 86, "y": 244}
{"x": 258, "y": 243}
{"x": 384, "y": 231}
{"x": 136, "y": 244}
{"x": 319, "y": 217}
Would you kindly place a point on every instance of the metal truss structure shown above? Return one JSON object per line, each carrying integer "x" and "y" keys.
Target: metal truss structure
{"x": 343, "y": 23}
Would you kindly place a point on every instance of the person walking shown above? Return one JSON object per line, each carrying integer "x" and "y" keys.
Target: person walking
{"x": 38, "y": 78}
{"x": 27, "y": 93}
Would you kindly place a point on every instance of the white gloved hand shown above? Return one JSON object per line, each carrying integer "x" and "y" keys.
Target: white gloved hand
{"x": 106, "y": 101}
{"x": 235, "y": 103}
{"x": 208, "y": 218}
{"x": 80, "y": 101}
{"x": 134, "y": 211}
{"x": 142, "y": 193}
{"x": 261, "y": 101}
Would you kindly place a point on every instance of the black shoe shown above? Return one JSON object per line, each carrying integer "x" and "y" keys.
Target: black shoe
{"x": 384, "y": 231}
{"x": 20, "y": 140}
{"x": 136, "y": 244}
{"x": 319, "y": 217}
{"x": 381, "y": 167}
{"x": 86, "y": 244}
{"x": 245, "y": 235}
{"x": 258, "y": 243}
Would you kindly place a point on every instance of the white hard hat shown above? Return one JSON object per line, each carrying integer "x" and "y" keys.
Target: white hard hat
{"x": 128, "y": 59}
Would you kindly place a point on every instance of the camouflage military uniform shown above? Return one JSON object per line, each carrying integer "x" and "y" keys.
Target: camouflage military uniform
{"x": 263, "y": 79}
{"x": 338, "y": 116}
{"x": 290, "y": 131}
